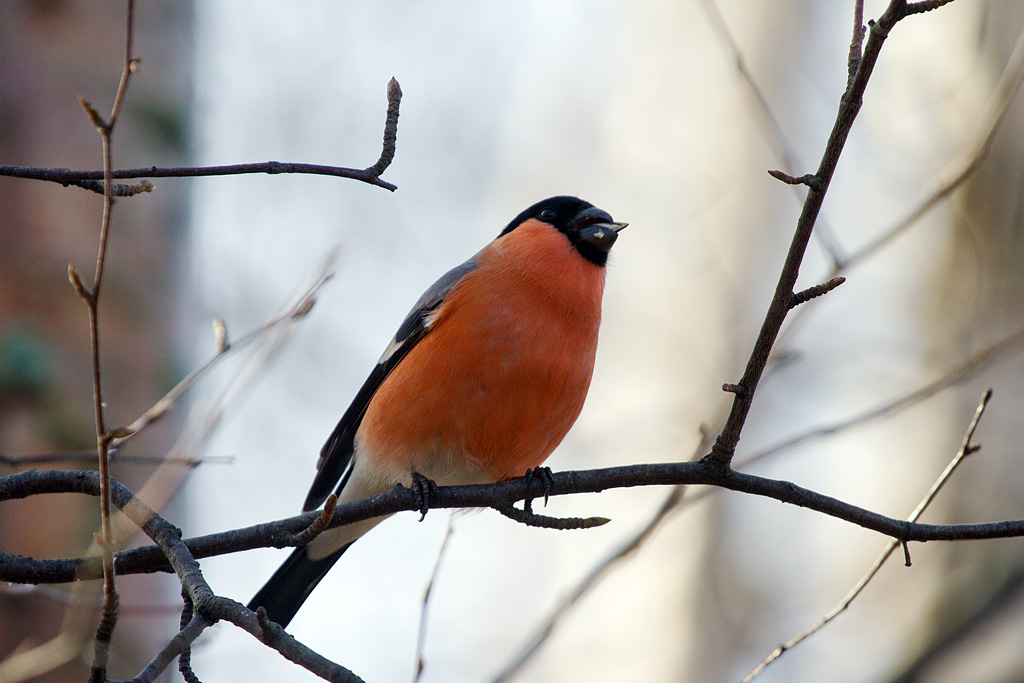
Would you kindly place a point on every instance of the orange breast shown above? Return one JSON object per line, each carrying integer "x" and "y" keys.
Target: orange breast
{"x": 496, "y": 384}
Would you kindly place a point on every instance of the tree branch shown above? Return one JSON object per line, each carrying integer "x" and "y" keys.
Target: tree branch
{"x": 967, "y": 447}
{"x": 91, "y": 297}
{"x": 725, "y": 445}
{"x": 148, "y": 559}
{"x": 86, "y": 179}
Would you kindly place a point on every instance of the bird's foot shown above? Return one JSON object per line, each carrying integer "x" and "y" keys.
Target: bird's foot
{"x": 425, "y": 490}
{"x": 546, "y": 476}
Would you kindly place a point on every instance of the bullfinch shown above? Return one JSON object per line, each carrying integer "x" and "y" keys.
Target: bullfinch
{"x": 482, "y": 381}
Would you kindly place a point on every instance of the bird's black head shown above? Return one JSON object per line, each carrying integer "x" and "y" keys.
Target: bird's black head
{"x": 589, "y": 229}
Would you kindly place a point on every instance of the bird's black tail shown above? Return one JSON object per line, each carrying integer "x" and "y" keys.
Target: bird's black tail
{"x": 291, "y": 584}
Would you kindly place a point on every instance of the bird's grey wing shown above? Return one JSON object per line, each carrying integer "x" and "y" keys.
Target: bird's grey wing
{"x": 335, "y": 460}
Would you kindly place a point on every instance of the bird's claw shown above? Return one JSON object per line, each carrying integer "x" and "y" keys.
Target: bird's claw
{"x": 546, "y": 476}
{"x": 425, "y": 490}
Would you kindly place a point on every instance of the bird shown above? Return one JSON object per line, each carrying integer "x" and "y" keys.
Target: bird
{"x": 484, "y": 378}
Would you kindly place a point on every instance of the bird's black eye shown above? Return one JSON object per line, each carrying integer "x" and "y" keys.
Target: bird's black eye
{"x": 548, "y": 215}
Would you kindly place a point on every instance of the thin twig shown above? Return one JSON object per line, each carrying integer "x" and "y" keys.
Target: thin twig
{"x": 530, "y": 518}
{"x": 208, "y": 606}
{"x": 969, "y": 367}
{"x": 583, "y": 587}
{"x": 966, "y": 448}
{"x": 387, "y": 152}
{"x": 185, "y": 658}
{"x": 67, "y": 176}
{"x": 108, "y": 615}
{"x": 676, "y": 501}
{"x": 86, "y": 457}
{"x": 814, "y": 292}
{"x": 809, "y": 179}
{"x": 624, "y": 549}
{"x": 966, "y": 161}
{"x": 956, "y": 172}
{"x": 421, "y": 638}
{"x": 295, "y": 312}
{"x": 773, "y": 130}
{"x": 725, "y": 445}
{"x": 316, "y": 527}
{"x": 856, "y": 42}
{"x": 86, "y": 179}
{"x": 178, "y": 646}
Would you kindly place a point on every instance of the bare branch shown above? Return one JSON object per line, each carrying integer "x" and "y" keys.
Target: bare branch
{"x": 176, "y": 646}
{"x": 421, "y": 638}
{"x": 86, "y": 179}
{"x": 967, "y": 161}
{"x": 91, "y": 296}
{"x": 966, "y": 368}
{"x": 87, "y": 457}
{"x": 67, "y": 176}
{"x": 582, "y": 588}
{"x": 725, "y": 446}
{"x": 296, "y": 311}
{"x": 772, "y": 129}
{"x": 147, "y": 559}
{"x": 966, "y": 449}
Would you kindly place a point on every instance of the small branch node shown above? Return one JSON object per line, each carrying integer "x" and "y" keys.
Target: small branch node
{"x": 94, "y": 116}
{"x": 806, "y": 295}
{"x": 220, "y": 335}
{"x": 906, "y": 554}
{"x": 123, "y": 190}
{"x": 97, "y": 538}
{"x": 738, "y": 389}
{"x": 810, "y": 180}
{"x": 118, "y": 433}
{"x": 304, "y": 308}
{"x": 116, "y": 189}
{"x": 878, "y": 29}
{"x": 80, "y": 287}
{"x": 269, "y": 631}
{"x": 720, "y": 457}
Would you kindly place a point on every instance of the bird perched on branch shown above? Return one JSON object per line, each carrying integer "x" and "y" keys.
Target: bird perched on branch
{"x": 482, "y": 381}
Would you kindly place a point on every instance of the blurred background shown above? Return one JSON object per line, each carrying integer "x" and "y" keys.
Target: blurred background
{"x": 645, "y": 109}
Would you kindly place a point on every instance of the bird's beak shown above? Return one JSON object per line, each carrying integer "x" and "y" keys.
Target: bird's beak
{"x": 602, "y": 235}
